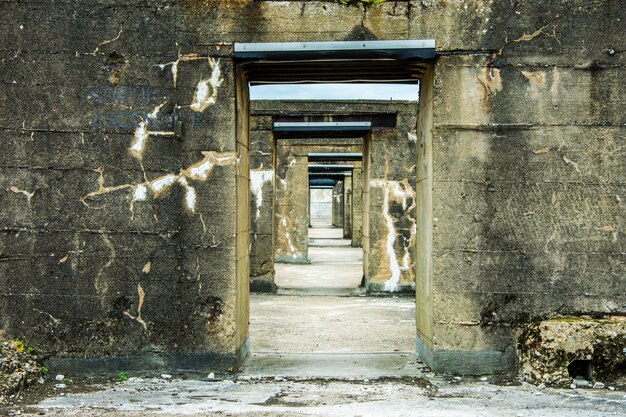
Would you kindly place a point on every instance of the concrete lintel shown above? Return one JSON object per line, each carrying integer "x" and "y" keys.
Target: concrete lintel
{"x": 328, "y": 167}
{"x": 458, "y": 362}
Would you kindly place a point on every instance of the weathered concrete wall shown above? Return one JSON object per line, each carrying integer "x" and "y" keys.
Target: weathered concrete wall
{"x": 119, "y": 171}
{"x": 526, "y": 179}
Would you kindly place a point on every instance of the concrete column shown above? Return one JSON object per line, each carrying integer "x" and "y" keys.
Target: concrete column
{"x": 291, "y": 223}
{"x": 357, "y": 205}
{"x": 347, "y": 207}
{"x": 338, "y": 204}
{"x": 392, "y": 209}
{"x": 261, "y": 204}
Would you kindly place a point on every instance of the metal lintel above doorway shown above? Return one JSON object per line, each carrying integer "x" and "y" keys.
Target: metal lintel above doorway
{"x": 322, "y": 182}
{"x": 397, "y": 61}
{"x": 389, "y": 49}
{"x": 315, "y": 127}
{"x": 329, "y": 157}
{"x": 329, "y": 168}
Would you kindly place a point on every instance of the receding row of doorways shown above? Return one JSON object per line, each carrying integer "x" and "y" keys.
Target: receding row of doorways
{"x": 320, "y": 305}
{"x": 397, "y": 194}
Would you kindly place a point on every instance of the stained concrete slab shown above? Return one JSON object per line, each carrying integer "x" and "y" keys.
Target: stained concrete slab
{"x": 347, "y": 366}
{"x": 331, "y": 324}
{"x": 288, "y": 398}
{"x": 324, "y": 235}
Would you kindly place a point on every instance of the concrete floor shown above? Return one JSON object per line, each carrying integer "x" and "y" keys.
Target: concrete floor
{"x": 325, "y": 324}
{"x": 436, "y": 397}
{"x": 327, "y": 235}
{"x": 335, "y": 267}
{"x": 311, "y": 328}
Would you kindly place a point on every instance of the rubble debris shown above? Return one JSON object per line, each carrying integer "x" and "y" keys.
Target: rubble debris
{"x": 573, "y": 351}
{"x": 19, "y": 368}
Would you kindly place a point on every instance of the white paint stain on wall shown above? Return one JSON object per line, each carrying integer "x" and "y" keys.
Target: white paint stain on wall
{"x": 401, "y": 192}
{"x": 288, "y": 237}
{"x": 206, "y": 91}
{"x": 26, "y": 194}
{"x": 142, "y": 133}
{"x": 140, "y": 193}
{"x": 257, "y": 179}
{"x": 206, "y": 95}
{"x": 197, "y": 172}
{"x": 141, "y": 293}
{"x": 174, "y": 64}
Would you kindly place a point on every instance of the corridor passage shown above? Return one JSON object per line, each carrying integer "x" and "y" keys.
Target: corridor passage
{"x": 335, "y": 267}
{"x": 319, "y": 307}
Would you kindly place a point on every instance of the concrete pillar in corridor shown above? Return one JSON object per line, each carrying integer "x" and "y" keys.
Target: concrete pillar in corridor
{"x": 261, "y": 205}
{"x": 392, "y": 208}
{"x": 357, "y": 205}
{"x": 338, "y": 204}
{"x": 347, "y": 207}
{"x": 291, "y": 221}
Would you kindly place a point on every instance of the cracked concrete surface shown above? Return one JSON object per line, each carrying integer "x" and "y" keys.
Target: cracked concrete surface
{"x": 376, "y": 398}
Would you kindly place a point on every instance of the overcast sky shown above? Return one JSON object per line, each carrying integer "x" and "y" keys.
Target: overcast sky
{"x": 335, "y": 92}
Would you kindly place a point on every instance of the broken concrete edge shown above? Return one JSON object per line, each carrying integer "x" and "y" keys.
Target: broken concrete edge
{"x": 547, "y": 348}
{"x": 280, "y": 259}
{"x": 19, "y": 368}
{"x": 378, "y": 288}
{"x": 259, "y": 284}
{"x": 152, "y": 363}
{"x": 336, "y": 292}
{"x": 458, "y": 362}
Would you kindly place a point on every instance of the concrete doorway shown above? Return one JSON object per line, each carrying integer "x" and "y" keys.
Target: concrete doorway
{"x": 312, "y": 312}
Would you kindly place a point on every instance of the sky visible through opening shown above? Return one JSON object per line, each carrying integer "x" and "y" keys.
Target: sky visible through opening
{"x": 339, "y": 91}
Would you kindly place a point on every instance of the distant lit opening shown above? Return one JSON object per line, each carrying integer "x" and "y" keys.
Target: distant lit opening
{"x": 336, "y": 91}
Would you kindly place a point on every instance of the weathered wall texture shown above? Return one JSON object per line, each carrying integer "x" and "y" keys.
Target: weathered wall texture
{"x": 119, "y": 169}
{"x": 527, "y": 177}
{"x": 262, "y": 176}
